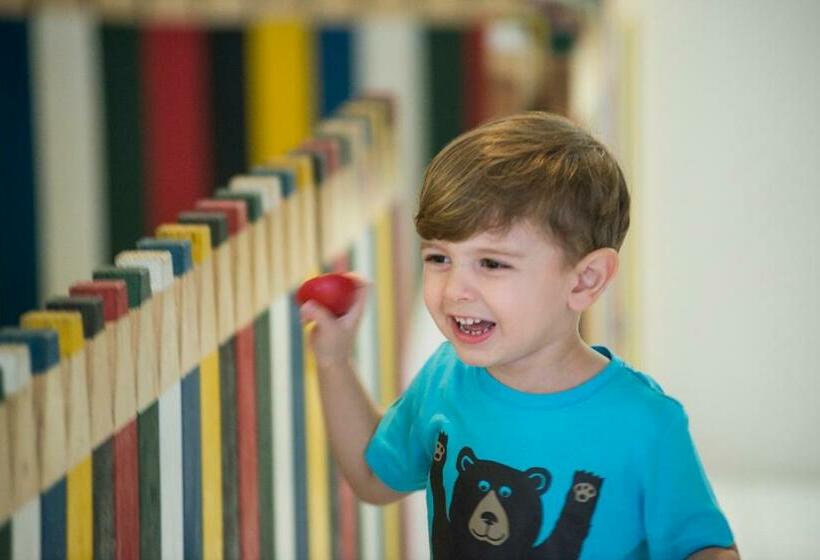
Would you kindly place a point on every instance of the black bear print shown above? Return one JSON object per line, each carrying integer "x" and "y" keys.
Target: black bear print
{"x": 496, "y": 513}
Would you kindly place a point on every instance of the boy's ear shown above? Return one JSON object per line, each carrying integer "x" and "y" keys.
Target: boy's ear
{"x": 591, "y": 276}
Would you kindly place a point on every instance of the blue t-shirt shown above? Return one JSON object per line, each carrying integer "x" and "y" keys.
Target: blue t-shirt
{"x": 606, "y": 469}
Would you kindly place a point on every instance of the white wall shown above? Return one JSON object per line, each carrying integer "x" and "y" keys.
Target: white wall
{"x": 730, "y": 263}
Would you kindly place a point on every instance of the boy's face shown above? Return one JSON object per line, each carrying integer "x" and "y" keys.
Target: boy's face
{"x": 500, "y": 299}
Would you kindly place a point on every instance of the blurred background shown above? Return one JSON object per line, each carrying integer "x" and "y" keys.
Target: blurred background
{"x": 117, "y": 114}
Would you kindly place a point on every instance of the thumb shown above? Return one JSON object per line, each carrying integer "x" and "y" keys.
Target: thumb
{"x": 312, "y": 311}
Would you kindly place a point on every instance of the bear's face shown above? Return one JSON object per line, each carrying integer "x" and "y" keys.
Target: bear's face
{"x": 495, "y": 510}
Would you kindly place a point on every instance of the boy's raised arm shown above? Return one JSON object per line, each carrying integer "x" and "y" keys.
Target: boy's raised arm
{"x": 350, "y": 416}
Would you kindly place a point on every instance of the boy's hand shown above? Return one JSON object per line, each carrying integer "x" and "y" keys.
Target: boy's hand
{"x": 332, "y": 338}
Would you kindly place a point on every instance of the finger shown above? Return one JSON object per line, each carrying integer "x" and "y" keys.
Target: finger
{"x": 357, "y": 278}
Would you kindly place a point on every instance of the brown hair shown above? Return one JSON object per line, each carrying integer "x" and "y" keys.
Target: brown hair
{"x": 534, "y": 167}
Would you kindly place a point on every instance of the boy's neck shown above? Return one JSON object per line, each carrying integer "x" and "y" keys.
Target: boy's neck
{"x": 561, "y": 366}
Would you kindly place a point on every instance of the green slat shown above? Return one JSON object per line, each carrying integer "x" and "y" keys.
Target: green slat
{"x": 103, "y": 496}
{"x": 150, "y": 481}
{"x": 123, "y": 125}
{"x": 136, "y": 278}
{"x": 264, "y": 415}
{"x": 230, "y": 475}
{"x": 446, "y": 78}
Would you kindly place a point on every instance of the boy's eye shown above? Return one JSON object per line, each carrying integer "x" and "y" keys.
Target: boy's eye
{"x": 436, "y": 259}
{"x": 493, "y": 264}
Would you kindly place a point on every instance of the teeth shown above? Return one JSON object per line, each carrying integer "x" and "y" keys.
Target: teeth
{"x": 467, "y": 320}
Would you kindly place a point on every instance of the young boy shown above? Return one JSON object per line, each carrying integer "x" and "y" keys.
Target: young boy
{"x": 530, "y": 443}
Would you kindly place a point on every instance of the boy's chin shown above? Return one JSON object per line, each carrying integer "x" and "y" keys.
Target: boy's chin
{"x": 470, "y": 358}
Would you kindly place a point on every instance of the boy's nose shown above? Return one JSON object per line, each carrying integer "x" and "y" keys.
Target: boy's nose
{"x": 458, "y": 286}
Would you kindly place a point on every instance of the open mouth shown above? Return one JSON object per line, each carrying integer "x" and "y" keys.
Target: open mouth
{"x": 471, "y": 329}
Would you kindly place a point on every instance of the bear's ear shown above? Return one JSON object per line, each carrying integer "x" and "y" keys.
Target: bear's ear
{"x": 466, "y": 459}
{"x": 540, "y": 477}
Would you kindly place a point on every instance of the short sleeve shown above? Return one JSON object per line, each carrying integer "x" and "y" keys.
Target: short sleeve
{"x": 397, "y": 454}
{"x": 681, "y": 513}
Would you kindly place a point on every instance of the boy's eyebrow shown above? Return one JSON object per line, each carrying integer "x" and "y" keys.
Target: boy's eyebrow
{"x": 480, "y": 250}
{"x": 502, "y": 252}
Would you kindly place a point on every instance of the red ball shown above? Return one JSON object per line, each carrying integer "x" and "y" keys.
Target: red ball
{"x": 335, "y": 292}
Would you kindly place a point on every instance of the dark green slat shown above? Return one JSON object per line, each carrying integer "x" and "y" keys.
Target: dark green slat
{"x": 19, "y": 262}
{"x": 103, "y": 498}
{"x": 150, "y": 483}
{"x": 5, "y": 541}
{"x": 230, "y": 476}
{"x": 445, "y": 79}
{"x": 123, "y": 136}
{"x": 90, "y": 307}
{"x": 216, "y": 222}
{"x": 228, "y": 102}
{"x": 252, "y": 200}
{"x": 137, "y": 280}
{"x": 264, "y": 433}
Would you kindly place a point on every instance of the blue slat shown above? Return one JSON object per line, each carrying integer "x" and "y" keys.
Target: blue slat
{"x": 336, "y": 67}
{"x": 18, "y": 236}
{"x": 192, "y": 465}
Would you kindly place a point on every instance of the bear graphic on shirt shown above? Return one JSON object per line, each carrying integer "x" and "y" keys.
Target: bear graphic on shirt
{"x": 496, "y": 510}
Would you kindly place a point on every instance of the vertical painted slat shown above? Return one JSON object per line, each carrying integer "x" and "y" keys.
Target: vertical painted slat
{"x": 201, "y": 415}
{"x": 230, "y": 484}
{"x": 363, "y": 262}
{"x": 18, "y": 237}
{"x": 69, "y": 189}
{"x": 220, "y": 493}
{"x": 148, "y": 441}
{"x": 66, "y": 524}
{"x": 192, "y": 464}
{"x": 22, "y": 530}
{"x": 227, "y": 74}
{"x": 160, "y": 273}
{"x": 309, "y": 166}
{"x": 247, "y": 480}
{"x": 267, "y": 46}
{"x": 280, "y": 105}
{"x": 475, "y": 77}
{"x": 53, "y": 521}
{"x": 112, "y": 294}
{"x": 177, "y": 120}
{"x": 379, "y": 43}
{"x": 283, "y": 432}
{"x": 388, "y": 374}
{"x": 265, "y": 457}
{"x": 346, "y": 546}
{"x": 105, "y": 533}
{"x": 445, "y": 80}
{"x": 258, "y": 202}
{"x": 170, "y": 418}
{"x": 127, "y": 480}
{"x": 170, "y": 450}
{"x": 299, "y": 450}
{"x": 126, "y": 492}
{"x": 246, "y": 443}
{"x": 123, "y": 136}
{"x": 80, "y": 503}
{"x": 335, "y": 67}
{"x": 44, "y": 355}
